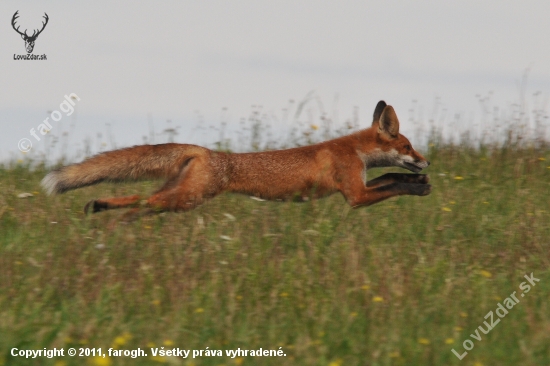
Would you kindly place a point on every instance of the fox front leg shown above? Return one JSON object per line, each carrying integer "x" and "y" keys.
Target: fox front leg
{"x": 398, "y": 178}
{"x": 367, "y": 196}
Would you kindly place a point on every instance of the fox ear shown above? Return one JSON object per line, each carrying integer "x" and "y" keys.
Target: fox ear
{"x": 378, "y": 111}
{"x": 389, "y": 124}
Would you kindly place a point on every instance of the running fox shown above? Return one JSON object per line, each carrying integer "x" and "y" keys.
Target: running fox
{"x": 195, "y": 174}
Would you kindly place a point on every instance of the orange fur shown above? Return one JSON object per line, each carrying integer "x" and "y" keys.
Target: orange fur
{"x": 195, "y": 174}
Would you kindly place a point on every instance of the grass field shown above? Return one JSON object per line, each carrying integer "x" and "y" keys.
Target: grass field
{"x": 399, "y": 283}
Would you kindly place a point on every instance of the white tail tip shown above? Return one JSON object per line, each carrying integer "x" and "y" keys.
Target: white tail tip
{"x": 50, "y": 183}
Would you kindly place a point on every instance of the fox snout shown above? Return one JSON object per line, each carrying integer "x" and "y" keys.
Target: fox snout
{"x": 414, "y": 165}
{"x": 423, "y": 163}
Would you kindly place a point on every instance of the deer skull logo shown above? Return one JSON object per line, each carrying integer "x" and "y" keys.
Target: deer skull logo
{"x": 29, "y": 40}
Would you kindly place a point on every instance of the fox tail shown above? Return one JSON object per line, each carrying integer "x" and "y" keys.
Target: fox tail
{"x": 129, "y": 164}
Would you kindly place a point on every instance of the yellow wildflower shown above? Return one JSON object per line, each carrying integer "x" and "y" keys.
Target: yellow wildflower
{"x": 119, "y": 341}
{"x": 159, "y": 359}
{"x": 485, "y": 273}
{"x": 100, "y": 361}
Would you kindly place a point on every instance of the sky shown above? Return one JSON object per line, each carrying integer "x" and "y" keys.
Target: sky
{"x": 142, "y": 67}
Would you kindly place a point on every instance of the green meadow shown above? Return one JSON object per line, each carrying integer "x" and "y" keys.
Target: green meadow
{"x": 402, "y": 282}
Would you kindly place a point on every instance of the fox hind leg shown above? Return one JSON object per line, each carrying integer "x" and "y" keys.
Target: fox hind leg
{"x": 103, "y": 204}
{"x": 195, "y": 184}
{"x": 171, "y": 200}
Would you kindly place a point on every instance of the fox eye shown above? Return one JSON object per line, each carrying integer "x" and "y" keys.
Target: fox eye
{"x": 408, "y": 147}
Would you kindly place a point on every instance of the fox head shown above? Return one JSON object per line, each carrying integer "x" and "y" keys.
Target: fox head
{"x": 392, "y": 148}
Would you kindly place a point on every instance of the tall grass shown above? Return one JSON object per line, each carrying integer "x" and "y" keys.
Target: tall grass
{"x": 399, "y": 283}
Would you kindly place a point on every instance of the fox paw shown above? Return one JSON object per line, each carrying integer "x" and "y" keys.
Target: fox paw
{"x": 420, "y": 189}
{"x": 94, "y": 206}
{"x": 422, "y": 178}
{"x": 409, "y": 178}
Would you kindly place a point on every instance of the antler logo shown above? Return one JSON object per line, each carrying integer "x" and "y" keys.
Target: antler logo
{"x": 29, "y": 40}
